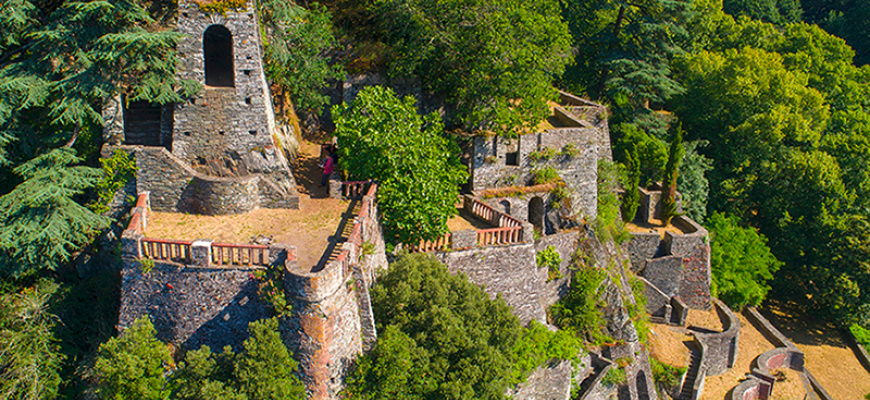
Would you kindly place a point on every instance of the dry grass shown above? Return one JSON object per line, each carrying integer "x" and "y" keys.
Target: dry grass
{"x": 653, "y": 225}
{"x": 827, "y": 356}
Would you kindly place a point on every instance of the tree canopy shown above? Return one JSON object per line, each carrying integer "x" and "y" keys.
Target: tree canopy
{"x": 442, "y": 337}
{"x": 383, "y": 138}
{"x": 494, "y": 61}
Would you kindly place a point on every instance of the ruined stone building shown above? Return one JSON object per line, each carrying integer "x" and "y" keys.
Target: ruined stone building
{"x": 221, "y": 151}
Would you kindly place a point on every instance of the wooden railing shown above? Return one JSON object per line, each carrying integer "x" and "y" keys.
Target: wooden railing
{"x": 426, "y": 246}
{"x": 239, "y": 254}
{"x": 166, "y": 250}
{"x": 495, "y": 236}
{"x": 489, "y": 214}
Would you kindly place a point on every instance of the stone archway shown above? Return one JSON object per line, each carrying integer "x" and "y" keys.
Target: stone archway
{"x": 505, "y": 206}
{"x": 641, "y": 384}
{"x": 217, "y": 48}
{"x": 536, "y": 212}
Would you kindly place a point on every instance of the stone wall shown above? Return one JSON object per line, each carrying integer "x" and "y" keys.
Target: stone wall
{"x": 721, "y": 347}
{"x": 332, "y": 320}
{"x": 175, "y": 186}
{"x": 678, "y": 264}
{"x": 565, "y": 243}
{"x": 509, "y": 270}
{"x": 192, "y": 306}
{"x": 219, "y": 118}
{"x": 490, "y": 169}
{"x": 760, "y": 384}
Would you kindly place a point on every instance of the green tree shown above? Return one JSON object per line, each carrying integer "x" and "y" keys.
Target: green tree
{"x": 625, "y": 48}
{"x": 631, "y": 194}
{"x": 30, "y": 357}
{"x": 779, "y": 12}
{"x": 493, "y": 61}
{"x": 40, "y": 223}
{"x": 265, "y": 370}
{"x": 693, "y": 184}
{"x": 383, "y": 138}
{"x": 296, "y": 42}
{"x": 59, "y": 62}
{"x": 205, "y": 376}
{"x": 444, "y": 338}
{"x": 742, "y": 263}
{"x": 672, "y": 170}
{"x": 133, "y": 365}
{"x": 652, "y": 152}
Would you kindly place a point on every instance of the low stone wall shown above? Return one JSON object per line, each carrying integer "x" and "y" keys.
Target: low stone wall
{"x": 860, "y": 351}
{"x": 721, "y": 347}
{"x": 212, "y": 195}
{"x": 658, "y": 304}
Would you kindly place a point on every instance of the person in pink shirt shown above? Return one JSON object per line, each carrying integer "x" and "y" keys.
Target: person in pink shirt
{"x": 328, "y": 166}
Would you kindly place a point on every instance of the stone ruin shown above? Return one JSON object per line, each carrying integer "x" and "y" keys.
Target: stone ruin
{"x": 220, "y": 152}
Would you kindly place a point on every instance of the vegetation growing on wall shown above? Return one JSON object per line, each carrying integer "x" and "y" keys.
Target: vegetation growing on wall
{"x": 550, "y": 259}
{"x": 580, "y": 310}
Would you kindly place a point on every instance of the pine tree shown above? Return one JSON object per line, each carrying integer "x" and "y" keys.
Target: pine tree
{"x": 631, "y": 196}
{"x": 265, "y": 370}
{"x": 40, "y": 223}
{"x": 669, "y": 184}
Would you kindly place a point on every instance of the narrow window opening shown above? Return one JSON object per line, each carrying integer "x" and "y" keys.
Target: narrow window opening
{"x": 217, "y": 44}
{"x": 252, "y": 132}
{"x": 247, "y": 100}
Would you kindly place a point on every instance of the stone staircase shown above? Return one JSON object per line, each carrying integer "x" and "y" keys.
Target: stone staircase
{"x": 341, "y": 234}
{"x": 687, "y": 391}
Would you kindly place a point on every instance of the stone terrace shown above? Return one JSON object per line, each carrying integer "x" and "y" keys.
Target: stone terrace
{"x": 311, "y": 228}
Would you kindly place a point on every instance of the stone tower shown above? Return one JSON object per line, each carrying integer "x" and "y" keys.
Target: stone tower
{"x": 222, "y": 152}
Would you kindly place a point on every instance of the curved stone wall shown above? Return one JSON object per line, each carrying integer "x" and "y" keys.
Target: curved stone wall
{"x": 721, "y": 347}
{"x": 211, "y": 195}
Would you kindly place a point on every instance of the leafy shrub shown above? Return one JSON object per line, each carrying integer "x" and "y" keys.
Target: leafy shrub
{"x": 607, "y": 225}
{"x": 271, "y": 289}
{"x": 570, "y": 150}
{"x": 383, "y": 138}
{"x": 118, "y": 169}
{"x": 541, "y": 176}
{"x": 549, "y": 258}
{"x": 862, "y": 335}
{"x": 543, "y": 154}
{"x": 442, "y": 337}
{"x": 637, "y": 310}
{"x": 741, "y": 261}
{"x": 653, "y": 153}
{"x": 614, "y": 376}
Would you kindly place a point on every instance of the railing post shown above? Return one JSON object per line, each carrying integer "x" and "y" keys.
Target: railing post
{"x": 200, "y": 253}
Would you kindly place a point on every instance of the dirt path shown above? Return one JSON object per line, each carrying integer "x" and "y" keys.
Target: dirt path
{"x": 828, "y": 357}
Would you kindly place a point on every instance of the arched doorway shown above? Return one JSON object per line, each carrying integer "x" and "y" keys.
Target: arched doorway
{"x": 642, "y": 388}
{"x": 536, "y": 212}
{"x": 505, "y": 206}
{"x": 217, "y": 48}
